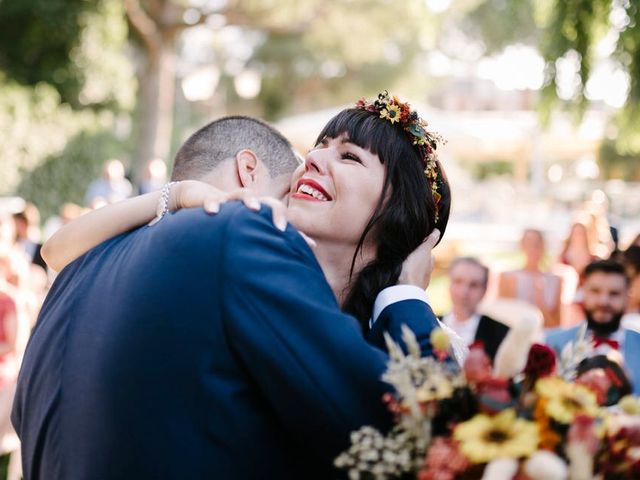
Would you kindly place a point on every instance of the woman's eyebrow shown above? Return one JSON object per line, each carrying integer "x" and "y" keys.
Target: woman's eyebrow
{"x": 346, "y": 139}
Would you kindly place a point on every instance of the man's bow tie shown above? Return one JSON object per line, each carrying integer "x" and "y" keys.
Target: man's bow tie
{"x": 597, "y": 341}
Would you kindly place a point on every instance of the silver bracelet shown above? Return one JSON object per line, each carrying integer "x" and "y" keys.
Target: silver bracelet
{"x": 163, "y": 202}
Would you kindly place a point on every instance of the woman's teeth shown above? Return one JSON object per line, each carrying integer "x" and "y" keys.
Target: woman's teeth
{"x": 309, "y": 190}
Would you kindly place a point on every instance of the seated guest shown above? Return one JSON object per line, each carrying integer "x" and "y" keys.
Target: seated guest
{"x": 630, "y": 258}
{"x": 27, "y": 234}
{"x": 530, "y": 283}
{"x": 606, "y": 294}
{"x": 468, "y": 283}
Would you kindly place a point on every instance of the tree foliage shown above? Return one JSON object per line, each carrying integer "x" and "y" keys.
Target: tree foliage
{"x": 502, "y": 22}
{"x": 338, "y": 52}
{"x": 573, "y": 28}
{"x": 37, "y": 39}
{"x": 41, "y": 111}
{"x": 76, "y": 46}
{"x": 64, "y": 176}
{"x": 628, "y": 54}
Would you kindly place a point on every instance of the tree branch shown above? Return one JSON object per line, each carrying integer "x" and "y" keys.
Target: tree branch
{"x": 177, "y": 27}
{"x": 241, "y": 19}
{"x": 142, "y": 23}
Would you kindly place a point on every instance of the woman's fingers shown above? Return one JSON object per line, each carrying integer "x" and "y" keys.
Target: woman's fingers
{"x": 212, "y": 205}
{"x": 250, "y": 201}
{"x": 279, "y": 212}
{"x": 417, "y": 268}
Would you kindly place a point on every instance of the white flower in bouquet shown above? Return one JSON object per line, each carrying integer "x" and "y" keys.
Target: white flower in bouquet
{"x": 511, "y": 357}
{"x": 501, "y": 469}
{"x": 573, "y": 353}
{"x": 546, "y": 465}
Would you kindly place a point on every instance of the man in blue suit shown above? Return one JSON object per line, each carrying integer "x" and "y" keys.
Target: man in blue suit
{"x": 203, "y": 347}
{"x": 606, "y": 293}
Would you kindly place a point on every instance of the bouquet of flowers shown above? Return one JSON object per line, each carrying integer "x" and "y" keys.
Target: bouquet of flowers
{"x": 529, "y": 416}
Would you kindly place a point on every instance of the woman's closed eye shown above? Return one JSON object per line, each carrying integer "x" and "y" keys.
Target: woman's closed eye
{"x": 351, "y": 156}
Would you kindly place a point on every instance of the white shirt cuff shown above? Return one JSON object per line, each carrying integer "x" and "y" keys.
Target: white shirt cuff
{"x": 395, "y": 294}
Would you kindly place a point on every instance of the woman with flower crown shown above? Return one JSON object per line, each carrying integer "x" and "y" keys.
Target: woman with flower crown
{"x": 369, "y": 193}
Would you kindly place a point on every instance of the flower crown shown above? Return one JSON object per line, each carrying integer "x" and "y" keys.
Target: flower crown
{"x": 397, "y": 112}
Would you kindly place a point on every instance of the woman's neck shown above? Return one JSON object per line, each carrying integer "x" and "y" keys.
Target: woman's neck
{"x": 335, "y": 260}
{"x": 533, "y": 267}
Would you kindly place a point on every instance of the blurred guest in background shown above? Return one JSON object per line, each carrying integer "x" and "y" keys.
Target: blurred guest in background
{"x": 468, "y": 280}
{"x": 27, "y": 226}
{"x": 606, "y": 295}
{"x": 68, "y": 211}
{"x": 602, "y": 238}
{"x": 15, "y": 267}
{"x": 576, "y": 253}
{"x": 111, "y": 187}
{"x": 23, "y": 281}
{"x": 576, "y": 250}
{"x": 531, "y": 284}
{"x": 630, "y": 259}
{"x": 154, "y": 176}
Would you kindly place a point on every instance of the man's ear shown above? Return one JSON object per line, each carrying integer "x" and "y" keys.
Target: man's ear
{"x": 247, "y": 167}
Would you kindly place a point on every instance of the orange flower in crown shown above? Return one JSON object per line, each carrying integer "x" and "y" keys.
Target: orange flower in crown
{"x": 400, "y": 113}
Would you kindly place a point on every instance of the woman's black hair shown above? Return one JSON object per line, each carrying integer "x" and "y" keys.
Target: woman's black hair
{"x": 405, "y": 214}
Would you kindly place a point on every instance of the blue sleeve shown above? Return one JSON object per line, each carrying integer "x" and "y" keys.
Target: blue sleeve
{"x": 308, "y": 358}
{"x": 415, "y": 314}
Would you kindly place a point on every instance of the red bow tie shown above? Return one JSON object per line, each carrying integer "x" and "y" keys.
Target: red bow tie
{"x": 597, "y": 341}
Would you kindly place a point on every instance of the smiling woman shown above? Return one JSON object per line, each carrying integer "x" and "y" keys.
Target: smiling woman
{"x": 388, "y": 193}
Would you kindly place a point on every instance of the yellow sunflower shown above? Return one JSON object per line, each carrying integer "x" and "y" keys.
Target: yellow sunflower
{"x": 630, "y": 405}
{"x": 391, "y": 113}
{"x": 485, "y": 438}
{"x": 566, "y": 400}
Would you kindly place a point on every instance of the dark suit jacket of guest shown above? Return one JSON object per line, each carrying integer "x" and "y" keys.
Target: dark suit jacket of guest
{"x": 200, "y": 348}
{"x": 491, "y": 333}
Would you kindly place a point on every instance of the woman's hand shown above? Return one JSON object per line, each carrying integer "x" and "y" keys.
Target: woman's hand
{"x": 192, "y": 193}
{"x": 417, "y": 268}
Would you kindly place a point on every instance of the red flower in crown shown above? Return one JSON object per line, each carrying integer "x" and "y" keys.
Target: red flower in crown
{"x": 541, "y": 362}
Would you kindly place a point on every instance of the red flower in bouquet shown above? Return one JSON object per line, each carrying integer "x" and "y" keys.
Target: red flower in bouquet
{"x": 443, "y": 461}
{"x": 541, "y": 362}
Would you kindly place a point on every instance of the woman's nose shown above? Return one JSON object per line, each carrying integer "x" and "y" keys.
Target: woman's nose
{"x": 317, "y": 160}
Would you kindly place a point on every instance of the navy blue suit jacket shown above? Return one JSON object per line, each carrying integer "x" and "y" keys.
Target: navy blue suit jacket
{"x": 200, "y": 348}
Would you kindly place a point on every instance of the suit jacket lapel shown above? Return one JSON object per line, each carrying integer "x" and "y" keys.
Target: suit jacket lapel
{"x": 490, "y": 333}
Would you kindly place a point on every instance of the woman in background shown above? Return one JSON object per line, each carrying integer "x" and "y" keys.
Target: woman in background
{"x": 530, "y": 283}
